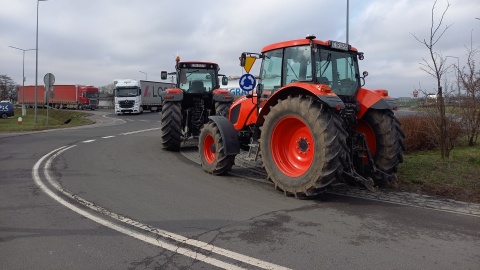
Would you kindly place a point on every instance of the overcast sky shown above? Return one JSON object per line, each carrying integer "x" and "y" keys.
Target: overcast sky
{"x": 97, "y": 41}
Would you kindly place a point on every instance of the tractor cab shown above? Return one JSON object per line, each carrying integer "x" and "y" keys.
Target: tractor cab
{"x": 308, "y": 61}
{"x": 196, "y": 77}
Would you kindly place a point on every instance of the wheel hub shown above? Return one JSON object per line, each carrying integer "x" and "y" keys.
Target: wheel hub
{"x": 303, "y": 144}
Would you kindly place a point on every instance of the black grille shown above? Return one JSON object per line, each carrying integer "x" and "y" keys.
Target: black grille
{"x": 127, "y": 103}
{"x": 234, "y": 114}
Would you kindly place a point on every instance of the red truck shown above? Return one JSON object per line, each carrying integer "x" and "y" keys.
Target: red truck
{"x": 62, "y": 97}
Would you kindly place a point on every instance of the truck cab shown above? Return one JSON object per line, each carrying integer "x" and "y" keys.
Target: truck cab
{"x": 128, "y": 96}
{"x": 88, "y": 97}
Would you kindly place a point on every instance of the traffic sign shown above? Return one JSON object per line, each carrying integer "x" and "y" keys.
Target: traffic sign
{"x": 249, "y": 61}
{"x": 49, "y": 80}
{"x": 247, "y": 82}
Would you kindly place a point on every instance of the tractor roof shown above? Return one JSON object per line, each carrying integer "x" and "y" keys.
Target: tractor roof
{"x": 298, "y": 42}
{"x": 197, "y": 62}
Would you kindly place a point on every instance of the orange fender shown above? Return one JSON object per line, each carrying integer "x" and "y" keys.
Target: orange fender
{"x": 375, "y": 99}
{"x": 243, "y": 112}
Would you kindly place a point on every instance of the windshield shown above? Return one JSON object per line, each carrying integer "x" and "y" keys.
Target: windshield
{"x": 338, "y": 70}
{"x": 91, "y": 95}
{"x": 126, "y": 92}
{"x": 271, "y": 70}
{"x": 296, "y": 66}
{"x": 194, "y": 80}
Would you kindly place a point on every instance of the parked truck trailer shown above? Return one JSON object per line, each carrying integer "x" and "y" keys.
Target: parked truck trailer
{"x": 133, "y": 96}
{"x": 61, "y": 97}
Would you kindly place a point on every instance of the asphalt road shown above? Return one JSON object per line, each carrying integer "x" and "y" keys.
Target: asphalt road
{"x": 108, "y": 197}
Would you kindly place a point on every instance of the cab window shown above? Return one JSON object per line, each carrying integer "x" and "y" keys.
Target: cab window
{"x": 297, "y": 64}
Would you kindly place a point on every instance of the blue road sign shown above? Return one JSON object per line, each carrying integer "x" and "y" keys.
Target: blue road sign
{"x": 247, "y": 82}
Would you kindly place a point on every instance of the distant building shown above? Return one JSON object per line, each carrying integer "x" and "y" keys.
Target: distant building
{"x": 105, "y": 100}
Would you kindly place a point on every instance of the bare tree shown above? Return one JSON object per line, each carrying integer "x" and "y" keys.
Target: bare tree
{"x": 436, "y": 67}
{"x": 107, "y": 89}
{"x": 470, "y": 104}
{"x": 7, "y": 88}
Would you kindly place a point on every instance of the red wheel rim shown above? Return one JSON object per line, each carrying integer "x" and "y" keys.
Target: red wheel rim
{"x": 208, "y": 145}
{"x": 364, "y": 128}
{"x": 292, "y": 146}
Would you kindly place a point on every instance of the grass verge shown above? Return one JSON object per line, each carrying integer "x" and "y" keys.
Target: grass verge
{"x": 455, "y": 178}
{"x": 56, "y": 119}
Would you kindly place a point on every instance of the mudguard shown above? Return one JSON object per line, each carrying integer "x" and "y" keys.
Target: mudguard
{"x": 222, "y": 95}
{"x": 172, "y": 94}
{"x": 376, "y": 99}
{"x": 228, "y": 133}
{"x": 320, "y": 91}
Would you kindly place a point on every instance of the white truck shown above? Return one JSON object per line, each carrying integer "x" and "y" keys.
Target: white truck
{"x": 133, "y": 96}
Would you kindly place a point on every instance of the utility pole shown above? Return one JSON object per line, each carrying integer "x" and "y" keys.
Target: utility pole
{"x": 36, "y": 66}
{"x": 347, "y": 18}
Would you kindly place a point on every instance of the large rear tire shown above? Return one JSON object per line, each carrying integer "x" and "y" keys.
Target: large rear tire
{"x": 172, "y": 126}
{"x": 384, "y": 137}
{"x": 222, "y": 108}
{"x": 211, "y": 147}
{"x": 303, "y": 146}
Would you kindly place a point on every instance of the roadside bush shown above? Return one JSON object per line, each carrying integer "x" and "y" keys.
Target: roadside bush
{"x": 422, "y": 132}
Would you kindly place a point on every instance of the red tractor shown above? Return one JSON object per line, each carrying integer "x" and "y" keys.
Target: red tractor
{"x": 311, "y": 121}
{"x": 197, "y": 96}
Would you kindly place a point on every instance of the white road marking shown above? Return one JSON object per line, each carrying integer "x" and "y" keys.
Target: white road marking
{"x": 88, "y": 141}
{"x": 107, "y": 137}
{"x": 140, "y": 236}
{"x": 139, "y": 131}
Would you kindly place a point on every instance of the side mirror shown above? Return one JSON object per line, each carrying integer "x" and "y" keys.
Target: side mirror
{"x": 365, "y": 74}
{"x": 242, "y": 59}
{"x": 224, "y": 80}
{"x": 360, "y": 56}
{"x": 163, "y": 75}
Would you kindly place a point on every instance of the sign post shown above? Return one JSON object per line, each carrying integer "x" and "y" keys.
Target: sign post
{"x": 49, "y": 80}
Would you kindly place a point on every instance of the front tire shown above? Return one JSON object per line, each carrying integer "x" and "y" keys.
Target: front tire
{"x": 303, "y": 146}
{"x": 171, "y": 126}
{"x": 211, "y": 147}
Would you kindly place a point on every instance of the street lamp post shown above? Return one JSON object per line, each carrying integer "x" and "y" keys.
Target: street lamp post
{"x": 146, "y": 78}
{"x": 23, "y": 78}
{"x": 458, "y": 72}
{"x": 348, "y": 8}
{"x": 36, "y": 65}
